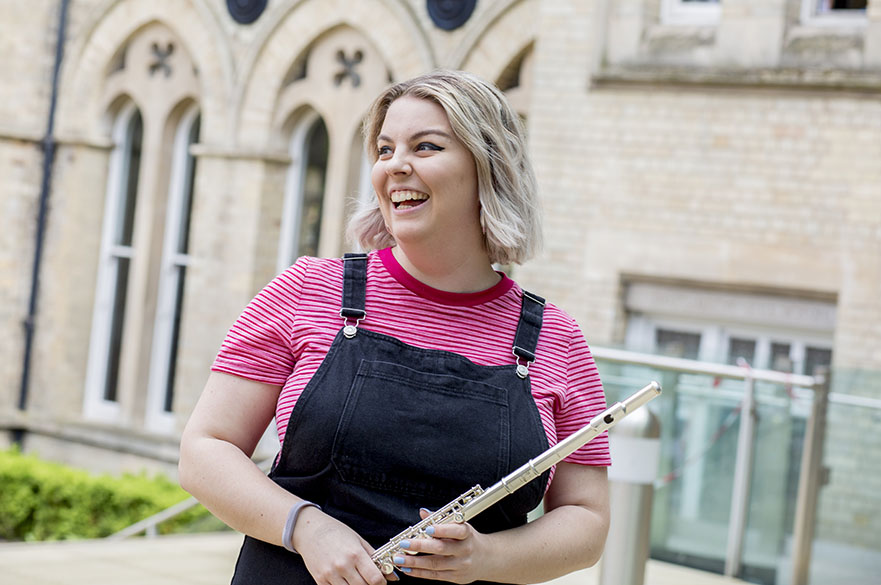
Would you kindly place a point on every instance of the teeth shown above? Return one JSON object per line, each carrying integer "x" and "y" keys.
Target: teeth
{"x": 401, "y": 196}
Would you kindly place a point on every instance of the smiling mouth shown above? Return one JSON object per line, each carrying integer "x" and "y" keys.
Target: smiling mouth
{"x": 408, "y": 199}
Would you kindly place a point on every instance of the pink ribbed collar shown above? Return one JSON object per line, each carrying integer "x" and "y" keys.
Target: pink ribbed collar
{"x": 440, "y": 296}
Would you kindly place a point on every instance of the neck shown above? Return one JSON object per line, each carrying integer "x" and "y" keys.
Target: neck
{"x": 444, "y": 270}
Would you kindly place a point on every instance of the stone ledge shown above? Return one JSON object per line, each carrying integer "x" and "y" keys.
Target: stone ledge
{"x": 786, "y": 78}
{"x": 121, "y": 439}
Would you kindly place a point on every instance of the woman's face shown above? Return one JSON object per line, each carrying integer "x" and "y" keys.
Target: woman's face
{"x": 424, "y": 177}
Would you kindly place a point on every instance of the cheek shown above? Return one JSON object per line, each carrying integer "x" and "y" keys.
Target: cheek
{"x": 377, "y": 177}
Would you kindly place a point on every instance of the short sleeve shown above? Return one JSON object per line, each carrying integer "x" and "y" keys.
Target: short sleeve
{"x": 584, "y": 400}
{"x": 258, "y": 345}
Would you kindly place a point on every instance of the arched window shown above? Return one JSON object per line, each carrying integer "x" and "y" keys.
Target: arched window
{"x": 145, "y": 241}
{"x": 172, "y": 274}
{"x": 111, "y": 293}
{"x": 304, "y": 191}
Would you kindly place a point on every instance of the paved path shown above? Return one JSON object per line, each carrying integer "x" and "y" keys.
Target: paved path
{"x": 203, "y": 559}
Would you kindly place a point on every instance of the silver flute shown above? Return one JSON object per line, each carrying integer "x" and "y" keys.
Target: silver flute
{"x": 477, "y": 499}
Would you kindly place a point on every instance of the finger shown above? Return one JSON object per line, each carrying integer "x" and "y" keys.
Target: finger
{"x": 369, "y": 572}
{"x": 430, "y": 563}
{"x": 429, "y": 546}
{"x": 452, "y": 530}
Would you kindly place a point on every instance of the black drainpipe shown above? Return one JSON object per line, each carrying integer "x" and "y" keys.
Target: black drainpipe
{"x": 48, "y": 145}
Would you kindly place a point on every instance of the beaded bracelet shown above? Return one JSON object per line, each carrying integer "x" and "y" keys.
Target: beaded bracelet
{"x": 288, "y": 532}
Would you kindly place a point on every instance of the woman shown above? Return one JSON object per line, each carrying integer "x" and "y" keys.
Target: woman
{"x": 404, "y": 376}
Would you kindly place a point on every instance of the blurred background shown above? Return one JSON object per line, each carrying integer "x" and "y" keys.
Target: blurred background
{"x": 710, "y": 173}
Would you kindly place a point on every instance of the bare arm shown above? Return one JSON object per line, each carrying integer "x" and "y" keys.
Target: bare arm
{"x": 216, "y": 468}
{"x": 569, "y": 536}
{"x": 215, "y": 464}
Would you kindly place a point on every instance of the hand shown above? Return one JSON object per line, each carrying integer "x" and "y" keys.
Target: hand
{"x": 455, "y": 552}
{"x": 333, "y": 553}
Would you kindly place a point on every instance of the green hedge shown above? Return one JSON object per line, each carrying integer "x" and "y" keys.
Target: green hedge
{"x": 40, "y": 500}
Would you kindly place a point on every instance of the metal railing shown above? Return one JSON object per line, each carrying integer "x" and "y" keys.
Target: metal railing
{"x": 812, "y": 470}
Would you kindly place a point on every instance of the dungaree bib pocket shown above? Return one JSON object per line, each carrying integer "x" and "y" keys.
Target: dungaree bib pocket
{"x": 408, "y": 431}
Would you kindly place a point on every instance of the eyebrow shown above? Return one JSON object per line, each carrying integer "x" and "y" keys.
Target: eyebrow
{"x": 418, "y": 135}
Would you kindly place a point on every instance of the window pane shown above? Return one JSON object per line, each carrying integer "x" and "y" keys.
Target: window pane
{"x": 827, "y": 5}
{"x": 815, "y": 357}
{"x": 111, "y": 377}
{"x": 131, "y": 171}
{"x": 849, "y": 4}
{"x": 313, "y": 189}
{"x": 175, "y": 338}
{"x": 780, "y": 359}
{"x": 677, "y": 343}
{"x": 189, "y": 182}
{"x": 741, "y": 348}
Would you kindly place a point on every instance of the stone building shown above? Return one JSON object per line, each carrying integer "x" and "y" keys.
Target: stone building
{"x": 709, "y": 173}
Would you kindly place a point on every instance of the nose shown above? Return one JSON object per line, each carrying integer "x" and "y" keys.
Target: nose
{"x": 398, "y": 164}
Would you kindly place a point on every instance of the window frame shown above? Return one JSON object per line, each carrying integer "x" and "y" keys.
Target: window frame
{"x": 292, "y": 210}
{"x": 171, "y": 271}
{"x": 679, "y": 12}
{"x": 811, "y": 14}
{"x": 715, "y": 339}
{"x": 96, "y": 405}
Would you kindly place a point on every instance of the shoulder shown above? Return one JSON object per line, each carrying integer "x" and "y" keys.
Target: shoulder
{"x": 309, "y": 273}
{"x": 559, "y": 328}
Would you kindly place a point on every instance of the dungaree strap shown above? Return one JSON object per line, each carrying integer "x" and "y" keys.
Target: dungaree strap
{"x": 531, "y": 311}
{"x": 354, "y": 286}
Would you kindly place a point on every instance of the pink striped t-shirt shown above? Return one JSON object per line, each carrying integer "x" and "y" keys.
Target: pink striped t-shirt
{"x": 285, "y": 332}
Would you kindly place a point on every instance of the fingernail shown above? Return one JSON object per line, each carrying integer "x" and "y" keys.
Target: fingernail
{"x": 430, "y": 531}
{"x": 398, "y": 560}
{"x": 426, "y": 510}
{"x": 404, "y": 544}
{"x": 406, "y": 569}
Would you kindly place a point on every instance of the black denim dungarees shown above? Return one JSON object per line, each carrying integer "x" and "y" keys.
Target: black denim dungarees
{"x": 384, "y": 428}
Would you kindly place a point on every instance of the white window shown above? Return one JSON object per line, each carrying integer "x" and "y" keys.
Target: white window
{"x": 111, "y": 292}
{"x": 768, "y": 331}
{"x": 690, "y": 12}
{"x": 304, "y": 191}
{"x": 834, "y": 12}
{"x": 174, "y": 262}
{"x": 839, "y": 5}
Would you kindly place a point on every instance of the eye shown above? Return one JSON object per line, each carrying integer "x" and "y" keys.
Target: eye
{"x": 423, "y": 146}
{"x": 384, "y": 151}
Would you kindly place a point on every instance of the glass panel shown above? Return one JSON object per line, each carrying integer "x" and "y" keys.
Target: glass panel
{"x": 830, "y": 5}
{"x": 175, "y": 338}
{"x": 779, "y": 438}
{"x": 131, "y": 171}
{"x": 780, "y": 357}
{"x": 741, "y": 348}
{"x": 826, "y": 5}
{"x": 677, "y": 343}
{"x": 180, "y": 271}
{"x": 816, "y": 357}
{"x": 189, "y": 183}
{"x": 692, "y": 499}
{"x": 314, "y": 174}
{"x": 847, "y": 538}
{"x": 111, "y": 377}
{"x": 700, "y": 418}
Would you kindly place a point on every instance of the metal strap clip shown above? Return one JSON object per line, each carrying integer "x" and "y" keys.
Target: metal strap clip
{"x": 349, "y": 329}
{"x": 522, "y": 366}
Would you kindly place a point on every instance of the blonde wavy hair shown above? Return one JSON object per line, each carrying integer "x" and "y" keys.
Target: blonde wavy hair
{"x": 481, "y": 117}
